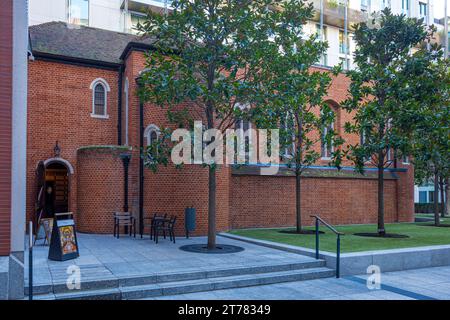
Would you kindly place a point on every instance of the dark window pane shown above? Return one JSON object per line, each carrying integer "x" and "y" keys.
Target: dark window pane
{"x": 431, "y": 196}
{"x": 153, "y": 136}
{"x": 99, "y": 100}
{"x": 422, "y": 197}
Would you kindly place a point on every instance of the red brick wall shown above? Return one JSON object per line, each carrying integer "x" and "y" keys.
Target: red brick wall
{"x": 100, "y": 183}
{"x": 269, "y": 201}
{"x": 405, "y": 193}
{"x": 6, "y": 21}
{"x": 59, "y": 109}
{"x": 171, "y": 191}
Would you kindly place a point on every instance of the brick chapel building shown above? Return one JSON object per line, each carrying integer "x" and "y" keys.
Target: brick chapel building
{"x": 86, "y": 127}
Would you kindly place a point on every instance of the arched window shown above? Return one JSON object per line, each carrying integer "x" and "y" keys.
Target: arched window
{"x": 243, "y": 129}
{"x": 100, "y": 89}
{"x": 151, "y": 134}
{"x": 327, "y": 146}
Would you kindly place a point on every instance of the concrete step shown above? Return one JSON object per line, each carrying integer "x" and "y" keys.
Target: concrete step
{"x": 199, "y": 285}
{"x": 104, "y": 283}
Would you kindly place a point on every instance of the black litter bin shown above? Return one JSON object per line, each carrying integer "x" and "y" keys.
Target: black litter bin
{"x": 189, "y": 220}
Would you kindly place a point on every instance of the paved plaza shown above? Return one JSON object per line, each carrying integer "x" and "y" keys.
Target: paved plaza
{"x": 105, "y": 257}
{"x": 419, "y": 284}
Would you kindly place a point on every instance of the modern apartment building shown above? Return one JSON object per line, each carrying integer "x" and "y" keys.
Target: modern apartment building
{"x": 334, "y": 17}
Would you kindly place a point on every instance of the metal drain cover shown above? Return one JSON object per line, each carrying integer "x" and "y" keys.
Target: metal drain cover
{"x": 220, "y": 248}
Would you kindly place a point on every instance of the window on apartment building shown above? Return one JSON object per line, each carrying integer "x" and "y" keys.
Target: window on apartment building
{"x": 78, "y": 12}
{"x": 324, "y": 59}
{"x": 100, "y": 89}
{"x": 422, "y": 197}
{"x": 431, "y": 196}
{"x": 344, "y": 46}
{"x": 364, "y": 5}
{"x": 405, "y": 7}
{"x": 345, "y": 63}
{"x": 135, "y": 19}
{"x": 423, "y": 10}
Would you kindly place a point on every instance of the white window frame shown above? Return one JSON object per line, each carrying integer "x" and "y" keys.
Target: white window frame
{"x": 389, "y": 155}
{"x": 362, "y": 140}
{"x": 286, "y": 154}
{"x": 323, "y": 37}
{"x": 405, "y": 160}
{"x": 242, "y": 132}
{"x": 107, "y": 88}
{"x": 328, "y": 156}
{"x": 421, "y": 15}
{"x": 148, "y": 132}
{"x": 405, "y": 7}
{"x": 69, "y": 12}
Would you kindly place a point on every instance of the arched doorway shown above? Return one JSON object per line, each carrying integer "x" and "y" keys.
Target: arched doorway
{"x": 53, "y": 187}
{"x": 57, "y": 179}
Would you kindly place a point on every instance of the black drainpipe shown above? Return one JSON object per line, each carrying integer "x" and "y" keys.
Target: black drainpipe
{"x": 119, "y": 108}
{"x": 126, "y": 163}
{"x": 141, "y": 162}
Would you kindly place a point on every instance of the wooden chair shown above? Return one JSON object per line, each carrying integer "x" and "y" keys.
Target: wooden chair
{"x": 125, "y": 219}
{"x": 165, "y": 226}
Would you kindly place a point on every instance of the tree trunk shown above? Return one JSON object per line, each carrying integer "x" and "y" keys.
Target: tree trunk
{"x": 298, "y": 208}
{"x": 212, "y": 169}
{"x": 437, "y": 218}
{"x": 381, "y": 229}
{"x": 442, "y": 191}
{"x": 447, "y": 197}
{"x": 212, "y": 208}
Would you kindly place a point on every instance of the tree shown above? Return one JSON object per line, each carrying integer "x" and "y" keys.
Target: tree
{"x": 431, "y": 136}
{"x": 383, "y": 92}
{"x": 206, "y": 56}
{"x": 297, "y": 93}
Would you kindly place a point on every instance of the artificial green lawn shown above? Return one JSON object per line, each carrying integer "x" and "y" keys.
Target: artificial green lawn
{"x": 419, "y": 235}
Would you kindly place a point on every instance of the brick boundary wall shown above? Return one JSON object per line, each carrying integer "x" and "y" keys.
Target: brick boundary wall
{"x": 269, "y": 201}
{"x": 6, "y": 42}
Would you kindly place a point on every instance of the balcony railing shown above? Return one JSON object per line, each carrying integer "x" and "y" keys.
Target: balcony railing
{"x": 144, "y": 5}
{"x": 334, "y": 13}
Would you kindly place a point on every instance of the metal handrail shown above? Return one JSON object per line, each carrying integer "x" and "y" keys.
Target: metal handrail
{"x": 338, "y": 241}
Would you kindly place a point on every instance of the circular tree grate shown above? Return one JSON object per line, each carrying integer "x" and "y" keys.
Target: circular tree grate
{"x": 220, "y": 248}
{"x": 377, "y": 235}
{"x": 293, "y": 231}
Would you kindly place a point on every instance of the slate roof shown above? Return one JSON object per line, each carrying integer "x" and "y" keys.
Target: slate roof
{"x": 80, "y": 42}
